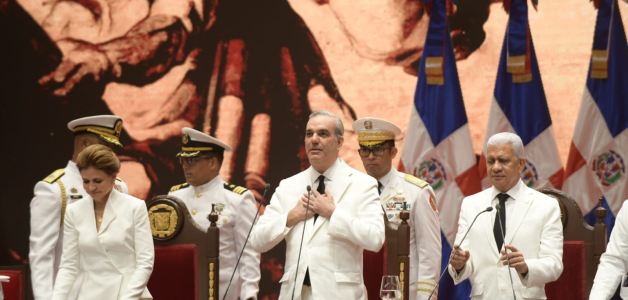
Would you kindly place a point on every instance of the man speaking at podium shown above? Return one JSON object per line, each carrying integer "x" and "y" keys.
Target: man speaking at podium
{"x": 344, "y": 218}
{"x": 533, "y": 233}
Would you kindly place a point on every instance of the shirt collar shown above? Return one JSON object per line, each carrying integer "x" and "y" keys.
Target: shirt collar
{"x": 72, "y": 168}
{"x": 329, "y": 173}
{"x": 386, "y": 179}
{"x": 209, "y": 185}
{"x": 516, "y": 192}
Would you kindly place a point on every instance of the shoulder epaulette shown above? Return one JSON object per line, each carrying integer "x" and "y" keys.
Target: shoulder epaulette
{"x": 118, "y": 179}
{"x": 54, "y": 176}
{"x": 234, "y": 188}
{"x": 179, "y": 186}
{"x": 416, "y": 181}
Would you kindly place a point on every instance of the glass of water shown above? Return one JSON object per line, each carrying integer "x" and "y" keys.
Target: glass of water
{"x": 391, "y": 288}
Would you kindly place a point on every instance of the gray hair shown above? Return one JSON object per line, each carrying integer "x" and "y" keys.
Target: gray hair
{"x": 507, "y": 138}
{"x": 340, "y": 129}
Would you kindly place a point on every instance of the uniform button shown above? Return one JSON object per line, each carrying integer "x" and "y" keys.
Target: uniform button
{"x": 193, "y": 211}
{"x": 202, "y": 188}
{"x": 198, "y": 195}
{"x": 224, "y": 220}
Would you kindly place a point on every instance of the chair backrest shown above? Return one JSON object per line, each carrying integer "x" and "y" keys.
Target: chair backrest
{"x": 19, "y": 286}
{"x": 575, "y": 228}
{"x": 392, "y": 259}
{"x": 186, "y": 255}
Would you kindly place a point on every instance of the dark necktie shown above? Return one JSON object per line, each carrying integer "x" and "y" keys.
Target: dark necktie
{"x": 379, "y": 187}
{"x": 502, "y": 214}
{"x": 320, "y": 190}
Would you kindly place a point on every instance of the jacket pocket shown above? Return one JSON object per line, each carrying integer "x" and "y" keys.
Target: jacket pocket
{"x": 285, "y": 277}
{"x": 351, "y": 277}
{"x": 477, "y": 290}
{"x": 537, "y": 292}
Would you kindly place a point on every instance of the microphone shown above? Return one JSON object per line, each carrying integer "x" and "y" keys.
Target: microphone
{"x": 246, "y": 241}
{"x": 501, "y": 230}
{"x": 307, "y": 208}
{"x": 490, "y": 208}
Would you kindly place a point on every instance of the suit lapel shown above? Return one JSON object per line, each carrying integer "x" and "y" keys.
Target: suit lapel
{"x": 109, "y": 214}
{"x": 521, "y": 209}
{"x": 487, "y": 223}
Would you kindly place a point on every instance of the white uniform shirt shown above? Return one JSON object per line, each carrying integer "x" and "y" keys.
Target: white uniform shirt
{"x": 614, "y": 262}
{"x": 234, "y": 221}
{"x": 425, "y": 237}
{"x": 46, "y": 238}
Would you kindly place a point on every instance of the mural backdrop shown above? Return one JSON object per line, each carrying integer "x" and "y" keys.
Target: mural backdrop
{"x": 249, "y": 73}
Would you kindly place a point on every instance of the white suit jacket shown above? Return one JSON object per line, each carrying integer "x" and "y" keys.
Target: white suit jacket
{"x": 46, "y": 236}
{"x": 117, "y": 260}
{"x": 332, "y": 248}
{"x": 534, "y": 228}
{"x": 614, "y": 262}
{"x": 237, "y": 210}
{"x": 425, "y": 237}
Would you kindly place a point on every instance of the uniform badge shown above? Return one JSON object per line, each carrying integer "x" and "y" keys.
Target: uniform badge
{"x": 368, "y": 124}
{"x": 185, "y": 139}
{"x": 73, "y": 190}
{"x": 118, "y": 128}
{"x": 390, "y": 205}
{"x": 75, "y": 197}
{"x": 219, "y": 207}
{"x": 390, "y": 216}
{"x": 433, "y": 202}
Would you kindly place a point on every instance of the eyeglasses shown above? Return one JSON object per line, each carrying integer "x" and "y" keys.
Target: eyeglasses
{"x": 190, "y": 161}
{"x": 364, "y": 152}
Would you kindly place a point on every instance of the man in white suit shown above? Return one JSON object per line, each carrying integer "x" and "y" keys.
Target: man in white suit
{"x": 377, "y": 150}
{"x": 201, "y": 157}
{"x": 614, "y": 262}
{"x": 531, "y": 224}
{"x": 343, "y": 219}
{"x": 52, "y": 196}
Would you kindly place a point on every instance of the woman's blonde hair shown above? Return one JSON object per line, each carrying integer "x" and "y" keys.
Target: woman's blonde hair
{"x": 100, "y": 157}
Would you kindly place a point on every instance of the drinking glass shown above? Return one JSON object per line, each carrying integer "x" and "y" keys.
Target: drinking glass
{"x": 391, "y": 288}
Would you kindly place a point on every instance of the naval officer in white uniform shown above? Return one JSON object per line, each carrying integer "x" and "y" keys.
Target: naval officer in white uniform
{"x": 201, "y": 158}
{"x": 52, "y": 196}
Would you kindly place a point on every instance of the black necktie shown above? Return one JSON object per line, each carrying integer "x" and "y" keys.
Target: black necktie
{"x": 502, "y": 213}
{"x": 320, "y": 190}
{"x": 379, "y": 187}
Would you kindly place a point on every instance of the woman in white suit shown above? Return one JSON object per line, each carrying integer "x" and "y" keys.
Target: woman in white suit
{"x": 109, "y": 233}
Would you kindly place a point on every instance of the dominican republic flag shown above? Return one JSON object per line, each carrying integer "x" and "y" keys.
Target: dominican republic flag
{"x": 519, "y": 104}
{"x": 438, "y": 146}
{"x": 596, "y": 165}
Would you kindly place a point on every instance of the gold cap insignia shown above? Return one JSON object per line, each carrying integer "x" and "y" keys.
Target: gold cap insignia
{"x": 118, "y": 128}
{"x": 186, "y": 138}
{"x": 368, "y": 124}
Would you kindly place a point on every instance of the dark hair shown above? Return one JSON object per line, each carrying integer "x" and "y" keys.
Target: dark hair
{"x": 100, "y": 157}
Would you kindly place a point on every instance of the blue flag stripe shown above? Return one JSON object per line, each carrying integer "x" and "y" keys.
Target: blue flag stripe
{"x": 441, "y": 106}
{"x": 611, "y": 94}
{"x": 524, "y": 104}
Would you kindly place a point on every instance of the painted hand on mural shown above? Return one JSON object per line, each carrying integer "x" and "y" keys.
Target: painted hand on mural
{"x": 146, "y": 52}
{"x": 394, "y": 31}
{"x": 83, "y": 60}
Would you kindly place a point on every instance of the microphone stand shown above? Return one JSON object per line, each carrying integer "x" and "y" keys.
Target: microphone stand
{"x": 501, "y": 230}
{"x": 465, "y": 235}
{"x": 296, "y": 273}
{"x": 246, "y": 241}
